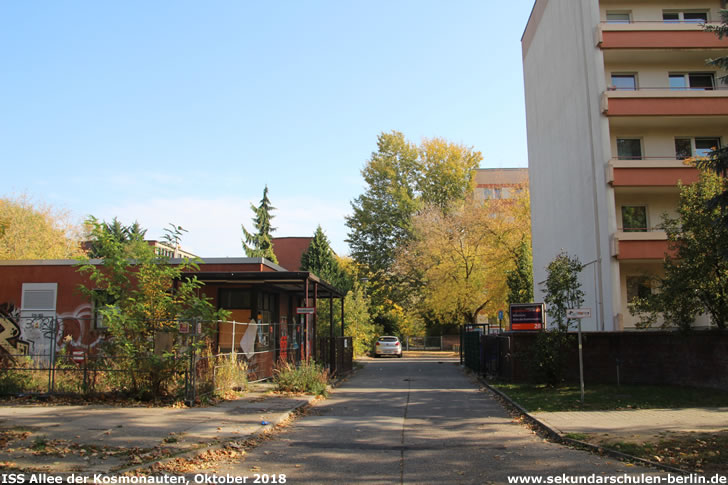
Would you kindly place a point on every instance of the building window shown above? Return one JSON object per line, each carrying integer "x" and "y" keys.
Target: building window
{"x": 618, "y": 17}
{"x": 676, "y": 16}
{"x": 634, "y": 218}
{"x": 235, "y": 299}
{"x": 624, "y": 82}
{"x": 101, "y": 298}
{"x": 695, "y": 147}
{"x": 703, "y": 146}
{"x": 638, "y": 287}
{"x": 629, "y": 149}
{"x": 701, "y": 81}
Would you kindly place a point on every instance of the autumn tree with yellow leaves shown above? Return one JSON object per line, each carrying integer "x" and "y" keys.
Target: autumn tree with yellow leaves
{"x": 31, "y": 230}
{"x": 461, "y": 255}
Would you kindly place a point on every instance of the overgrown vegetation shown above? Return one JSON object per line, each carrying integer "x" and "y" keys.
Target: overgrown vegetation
{"x": 143, "y": 301}
{"x": 306, "y": 377}
{"x": 230, "y": 373}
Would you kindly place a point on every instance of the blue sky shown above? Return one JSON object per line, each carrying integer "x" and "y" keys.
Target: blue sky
{"x": 182, "y": 111}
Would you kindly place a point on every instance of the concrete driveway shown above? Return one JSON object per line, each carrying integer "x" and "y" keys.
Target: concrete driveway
{"x": 414, "y": 420}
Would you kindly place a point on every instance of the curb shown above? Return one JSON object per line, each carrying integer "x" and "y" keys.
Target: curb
{"x": 218, "y": 445}
{"x": 557, "y": 437}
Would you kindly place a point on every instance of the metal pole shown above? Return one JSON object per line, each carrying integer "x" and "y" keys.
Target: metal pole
{"x": 332, "y": 349}
{"x": 581, "y": 366}
{"x": 342, "y": 316}
{"x": 232, "y": 344}
{"x": 315, "y": 317}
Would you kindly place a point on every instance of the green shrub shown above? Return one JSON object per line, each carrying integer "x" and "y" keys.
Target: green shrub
{"x": 549, "y": 357}
{"x": 307, "y": 376}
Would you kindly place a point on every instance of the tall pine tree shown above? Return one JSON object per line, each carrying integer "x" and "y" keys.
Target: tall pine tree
{"x": 320, "y": 260}
{"x": 260, "y": 244}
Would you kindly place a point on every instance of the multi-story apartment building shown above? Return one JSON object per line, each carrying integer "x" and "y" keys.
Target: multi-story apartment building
{"x": 618, "y": 94}
{"x": 499, "y": 183}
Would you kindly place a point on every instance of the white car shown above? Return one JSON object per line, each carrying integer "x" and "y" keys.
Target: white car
{"x": 387, "y": 345}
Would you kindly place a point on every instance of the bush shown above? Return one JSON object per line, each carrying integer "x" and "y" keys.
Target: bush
{"x": 307, "y": 376}
{"x": 549, "y": 357}
{"x": 19, "y": 377}
{"x": 231, "y": 373}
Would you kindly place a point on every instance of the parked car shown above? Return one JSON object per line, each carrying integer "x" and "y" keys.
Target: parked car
{"x": 387, "y": 345}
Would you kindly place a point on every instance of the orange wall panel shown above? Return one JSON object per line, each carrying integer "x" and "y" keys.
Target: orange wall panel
{"x": 652, "y": 177}
{"x": 664, "y": 39}
{"x": 643, "y": 250}
{"x": 687, "y": 106}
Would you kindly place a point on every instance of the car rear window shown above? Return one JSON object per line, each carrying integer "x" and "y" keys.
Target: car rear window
{"x": 387, "y": 339}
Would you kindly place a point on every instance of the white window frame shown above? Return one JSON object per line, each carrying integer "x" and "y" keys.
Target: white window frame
{"x": 633, "y": 75}
{"x": 686, "y": 79}
{"x": 681, "y": 15}
{"x": 628, "y": 137}
{"x": 647, "y": 227}
{"x": 628, "y": 13}
{"x": 693, "y": 144}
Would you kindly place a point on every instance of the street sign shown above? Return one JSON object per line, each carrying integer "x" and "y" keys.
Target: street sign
{"x": 500, "y": 314}
{"x": 305, "y": 310}
{"x": 527, "y": 316}
{"x": 578, "y": 313}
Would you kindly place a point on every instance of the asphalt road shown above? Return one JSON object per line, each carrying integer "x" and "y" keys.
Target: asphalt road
{"x": 413, "y": 420}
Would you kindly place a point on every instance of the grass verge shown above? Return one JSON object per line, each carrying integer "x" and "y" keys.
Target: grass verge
{"x": 602, "y": 397}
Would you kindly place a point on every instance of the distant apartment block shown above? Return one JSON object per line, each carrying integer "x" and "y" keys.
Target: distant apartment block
{"x": 167, "y": 250}
{"x": 499, "y": 183}
{"x": 618, "y": 94}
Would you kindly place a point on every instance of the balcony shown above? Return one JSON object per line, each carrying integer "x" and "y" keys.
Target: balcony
{"x": 657, "y": 35}
{"x": 665, "y": 102}
{"x": 649, "y": 245}
{"x": 653, "y": 172}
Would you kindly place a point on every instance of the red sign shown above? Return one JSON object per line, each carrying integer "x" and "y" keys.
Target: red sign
{"x": 527, "y": 316}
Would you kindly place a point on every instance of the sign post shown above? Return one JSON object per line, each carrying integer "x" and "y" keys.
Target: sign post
{"x": 578, "y": 314}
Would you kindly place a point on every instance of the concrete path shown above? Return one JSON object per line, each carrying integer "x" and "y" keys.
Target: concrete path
{"x": 413, "y": 420}
{"x": 637, "y": 422}
{"x": 141, "y": 429}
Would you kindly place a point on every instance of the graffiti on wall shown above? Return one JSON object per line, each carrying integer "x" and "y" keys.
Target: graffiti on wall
{"x": 33, "y": 333}
{"x": 11, "y": 343}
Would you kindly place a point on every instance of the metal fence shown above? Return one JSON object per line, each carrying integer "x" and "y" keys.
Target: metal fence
{"x": 343, "y": 354}
{"x": 54, "y": 355}
{"x": 424, "y": 343}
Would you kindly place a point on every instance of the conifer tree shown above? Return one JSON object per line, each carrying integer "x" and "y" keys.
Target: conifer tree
{"x": 260, "y": 243}
{"x": 319, "y": 259}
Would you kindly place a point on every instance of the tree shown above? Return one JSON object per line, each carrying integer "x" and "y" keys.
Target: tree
{"x": 381, "y": 217}
{"x": 320, "y": 260}
{"x": 36, "y": 231}
{"x": 260, "y": 244}
{"x": 563, "y": 289}
{"x": 114, "y": 229}
{"x": 520, "y": 279}
{"x": 696, "y": 273}
{"x": 460, "y": 256}
{"x": 402, "y": 178}
{"x": 717, "y": 159}
{"x": 142, "y": 298}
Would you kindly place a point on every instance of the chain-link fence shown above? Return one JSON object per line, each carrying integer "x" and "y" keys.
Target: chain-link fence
{"x": 53, "y": 355}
